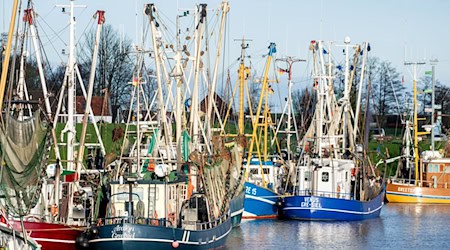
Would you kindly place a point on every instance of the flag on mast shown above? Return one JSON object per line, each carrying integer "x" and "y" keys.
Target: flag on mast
{"x": 282, "y": 71}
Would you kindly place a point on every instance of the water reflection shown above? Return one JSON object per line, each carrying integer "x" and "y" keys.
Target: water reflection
{"x": 400, "y": 226}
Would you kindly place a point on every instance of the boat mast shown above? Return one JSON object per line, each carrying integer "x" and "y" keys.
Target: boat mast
{"x": 71, "y": 92}
{"x": 178, "y": 74}
{"x": 256, "y": 123}
{"x": 7, "y": 53}
{"x": 150, "y": 10}
{"x": 346, "y": 98}
{"x": 211, "y": 100}
{"x": 416, "y": 132}
{"x": 101, "y": 20}
{"x": 433, "y": 83}
{"x": 290, "y": 108}
{"x": 361, "y": 80}
{"x": 30, "y": 16}
{"x": 242, "y": 78}
{"x": 193, "y": 116}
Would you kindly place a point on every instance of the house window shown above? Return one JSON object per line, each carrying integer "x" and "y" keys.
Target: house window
{"x": 325, "y": 177}
{"x": 266, "y": 170}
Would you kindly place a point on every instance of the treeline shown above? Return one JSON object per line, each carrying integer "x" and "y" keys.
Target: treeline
{"x": 388, "y": 96}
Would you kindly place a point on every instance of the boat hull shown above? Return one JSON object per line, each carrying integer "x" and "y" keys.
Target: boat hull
{"x": 324, "y": 208}
{"x": 51, "y": 236}
{"x": 260, "y": 202}
{"x": 141, "y": 236}
{"x": 404, "y": 193}
{"x": 237, "y": 208}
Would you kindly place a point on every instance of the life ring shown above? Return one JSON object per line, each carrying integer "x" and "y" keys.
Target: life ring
{"x": 151, "y": 165}
{"x": 54, "y": 210}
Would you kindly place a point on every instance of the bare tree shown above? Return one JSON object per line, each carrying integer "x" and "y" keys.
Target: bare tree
{"x": 115, "y": 65}
{"x": 387, "y": 88}
{"x": 304, "y": 102}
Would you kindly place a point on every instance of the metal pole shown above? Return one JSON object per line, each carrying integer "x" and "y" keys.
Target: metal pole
{"x": 7, "y": 53}
{"x": 80, "y": 156}
{"x": 433, "y": 83}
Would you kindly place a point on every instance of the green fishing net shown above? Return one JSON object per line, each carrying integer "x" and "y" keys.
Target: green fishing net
{"x": 24, "y": 147}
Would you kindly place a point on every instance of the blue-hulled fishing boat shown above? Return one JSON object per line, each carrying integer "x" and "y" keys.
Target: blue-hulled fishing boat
{"x": 185, "y": 194}
{"x": 262, "y": 170}
{"x": 333, "y": 179}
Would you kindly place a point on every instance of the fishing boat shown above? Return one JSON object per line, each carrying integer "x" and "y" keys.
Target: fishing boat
{"x": 24, "y": 149}
{"x": 58, "y": 211}
{"x": 167, "y": 194}
{"x": 420, "y": 178}
{"x": 237, "y": 203}
{"x": 262, "y": 168}
{"x": 333, "y": 179}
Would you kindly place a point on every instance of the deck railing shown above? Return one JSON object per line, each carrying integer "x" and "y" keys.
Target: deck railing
{"x": 340, "y": 195}
{"x": 162, "y": 222}
{"x": 136, "y": 220}
{"x": 420, "y": 183}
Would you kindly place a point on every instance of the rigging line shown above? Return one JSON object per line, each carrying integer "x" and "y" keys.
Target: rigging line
{"x": 56, "y": 33}
{"x": 395, "y": 95}
{"x": 161, "y": 15}
{"x": 49, "y": 12}
{"x": 168, "y": 32}
{"x": 53, "y": 46}
{"x": 83, "y": 48}
{"x": 84, "y": 33}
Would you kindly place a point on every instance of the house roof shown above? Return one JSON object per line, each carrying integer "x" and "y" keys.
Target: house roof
{"x": 99, "y": 105}
{"x": 222, "y": 106}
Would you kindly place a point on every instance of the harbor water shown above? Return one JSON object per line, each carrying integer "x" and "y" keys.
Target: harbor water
{"x": 400, "y": 226}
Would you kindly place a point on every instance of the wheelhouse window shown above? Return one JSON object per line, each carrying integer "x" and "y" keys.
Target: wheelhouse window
{"x": 307, "y": 175}
{"x": 433, "y": 168}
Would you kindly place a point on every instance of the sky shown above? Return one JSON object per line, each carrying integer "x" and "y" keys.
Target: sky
{"x": 398, "y": 31}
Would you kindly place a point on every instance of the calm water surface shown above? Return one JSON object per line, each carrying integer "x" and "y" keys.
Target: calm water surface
{"x": 400, "y": 226}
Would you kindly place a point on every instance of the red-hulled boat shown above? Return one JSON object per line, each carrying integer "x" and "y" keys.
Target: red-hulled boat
{"x": 51, "y": 236}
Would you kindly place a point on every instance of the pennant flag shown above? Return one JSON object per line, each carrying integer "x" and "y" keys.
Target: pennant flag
{"x": 149, "y": 164}
{"x": 324, "y": 51}
{"x": 185, "y": 145}
{"x": 429, "y": 72}
{"x": 403, "y": 79}
{"x": 282, "y": 71}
